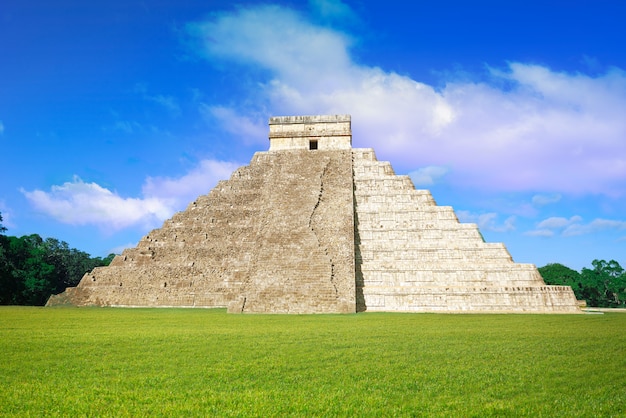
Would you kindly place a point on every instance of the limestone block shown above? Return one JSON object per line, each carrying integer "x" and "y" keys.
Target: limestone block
{"x": 405, "y": 246}
{"x": 327, "y": 133}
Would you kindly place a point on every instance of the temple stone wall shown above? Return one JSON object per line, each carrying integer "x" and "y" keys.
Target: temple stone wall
{"x": 304, "y": 247}
{"x": 276, "y": 237}
{"x": 413, "y": 255}
{"x": 298, "y": 132}
{"x": 314, "y": 226}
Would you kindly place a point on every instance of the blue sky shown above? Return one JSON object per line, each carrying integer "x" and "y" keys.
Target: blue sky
{"x": 116, "y": 114}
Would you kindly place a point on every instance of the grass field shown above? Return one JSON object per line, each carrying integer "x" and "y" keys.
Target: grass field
{"x": 177, "y": 362}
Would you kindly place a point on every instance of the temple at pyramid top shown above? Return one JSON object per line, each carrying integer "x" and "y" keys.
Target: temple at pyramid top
{"x": 329, "y": 132}
{"x": 315, "y": 226}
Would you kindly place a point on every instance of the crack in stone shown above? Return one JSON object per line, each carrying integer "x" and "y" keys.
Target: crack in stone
{"x": 319, "y": 242}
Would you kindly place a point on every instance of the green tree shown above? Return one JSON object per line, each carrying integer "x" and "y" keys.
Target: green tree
{"x": 32, "y": 277}
{"x": 560, "y": 275}
{"x": 70, "y": 264}
{"x": 604, "y": 284}
{"x": 32, "y": 269}
{"x": 7, "y": 288}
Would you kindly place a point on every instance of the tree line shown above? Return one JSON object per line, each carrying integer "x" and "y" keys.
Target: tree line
{"x": 33, "y": 268}
{"x": 602, "y": 285}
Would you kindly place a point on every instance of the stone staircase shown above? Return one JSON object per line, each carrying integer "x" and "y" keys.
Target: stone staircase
{"x": 413, "y": 255}
{"x": 276, "y": 237}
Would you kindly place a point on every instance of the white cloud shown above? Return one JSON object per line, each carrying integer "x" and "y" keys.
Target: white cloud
{"x": 575, "y": 226}
{"x": 427, "y": 176}
{"x": 547, "y": 131}
{"x": 594, "y": 226}
{"x": 7, "y": 215}
{"x": 183, "y": 190}
{"x": 1, "y": 128}
{"x": 487, "y": 221}
{"x": 81, "y": 203}
{"x": 168, "y": 102}
{"x": 550, "y": 226}
{"x": 332, "y": 10}
{"x": 131, "y": 127}
{"x": 246, "y": 128}
{"x": 120, "y": 248}
{"x": 542, "y": 200}
{"x": 540, "y": 233}
{"x": 557, "y": 222}
{"x": 127, "y": 127}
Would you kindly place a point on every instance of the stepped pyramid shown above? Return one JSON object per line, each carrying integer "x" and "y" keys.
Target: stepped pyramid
{"x": 315, "y": 226}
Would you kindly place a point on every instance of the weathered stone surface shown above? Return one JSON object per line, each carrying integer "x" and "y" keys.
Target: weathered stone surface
{"x": 314, "y": 226}
{"x": 310, "y": 132}
{"x": 413, "y": 255}
{"x": 304, "y": 248}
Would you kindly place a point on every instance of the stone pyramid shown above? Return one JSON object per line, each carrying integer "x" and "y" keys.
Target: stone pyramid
{"x": 315, "y": 226}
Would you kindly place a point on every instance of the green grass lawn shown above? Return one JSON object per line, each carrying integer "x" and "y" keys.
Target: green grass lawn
{"x": 184, "y": 362}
